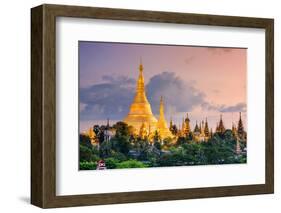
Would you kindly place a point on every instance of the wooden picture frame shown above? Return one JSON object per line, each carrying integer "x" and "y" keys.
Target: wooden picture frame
{"x": 43, "y": 105}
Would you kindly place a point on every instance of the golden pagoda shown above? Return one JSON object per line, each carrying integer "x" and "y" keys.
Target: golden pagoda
{"x": 143, "y": 131}
{"x": 220, "y": 128}
{"x": 140, "y": 113}
{"x": 162, "y": 128}
{"x": 187, "y": 129}
{"x": 206, "y": 129}
{"x": 91, "y": 134}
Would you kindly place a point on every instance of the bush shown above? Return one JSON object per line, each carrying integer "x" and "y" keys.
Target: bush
{"x": 87, "y": 165}
{"x": 131, "y": 164}
{"x": 111, "y": 163}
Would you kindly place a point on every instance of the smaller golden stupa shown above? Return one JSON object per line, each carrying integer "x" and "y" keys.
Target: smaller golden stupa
{"x": 162, "y": 127}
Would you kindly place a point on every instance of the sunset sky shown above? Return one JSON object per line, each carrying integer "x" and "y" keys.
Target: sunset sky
{"x": 203, "y": 81}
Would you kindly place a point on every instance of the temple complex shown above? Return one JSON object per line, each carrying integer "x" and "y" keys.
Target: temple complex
{"x": 145, "y": 124}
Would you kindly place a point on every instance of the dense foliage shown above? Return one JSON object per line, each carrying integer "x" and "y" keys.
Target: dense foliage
{"x": 124, "y": 150}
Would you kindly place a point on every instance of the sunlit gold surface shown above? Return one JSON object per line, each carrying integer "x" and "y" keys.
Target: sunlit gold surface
{"x": 162, "y": 128}
{"x": 91, "y": 133}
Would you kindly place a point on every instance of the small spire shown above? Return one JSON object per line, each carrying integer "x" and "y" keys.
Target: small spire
{"x": 221, "y": 128}
{"x": 161, "y": 107}
{"x": 140, "y": 66}
{"x": 240, "y": 126}
{"x": 107, "y": 124}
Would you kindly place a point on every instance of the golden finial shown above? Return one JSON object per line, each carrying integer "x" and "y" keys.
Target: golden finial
{"x": 141, "y": 67}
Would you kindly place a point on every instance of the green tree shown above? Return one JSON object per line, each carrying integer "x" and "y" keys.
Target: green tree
{"x": 157, "y": 140}
{"x": 121, "y": 140}
{"x": 121, "y": 144}
{"x": 87, "y": 154}
{"x": 105, "y": 149}
{"x": 181, "y": 141}
{"x": 219, "y": 150}
{"x": 85, "y": 141}
{"x": 193, "y": 153}
{"x": 99, "y": 131}
{"x": 122, "y": 129}
{"x": 144, "y": 150}
{"x": 118, "y": 156}
{"x": 157, "y": 145}
{"x": 174, "y": 129}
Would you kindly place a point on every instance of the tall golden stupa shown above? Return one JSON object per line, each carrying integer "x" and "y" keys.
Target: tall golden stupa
{"x": 140, "y": 114}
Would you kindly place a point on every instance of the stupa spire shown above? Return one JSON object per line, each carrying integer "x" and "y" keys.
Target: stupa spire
{"x": 171, "y": 123}
{"x": 140, "y": 93}
{"x": 187, "y": 129}
{"x": 161, "y": 109}
{"x": 221, "y": 128}
{"x": 196, "y": 128}
{"x": 240, "y": 127}
{"x": 183, "y": 126}
{"x": 206, "y": 128}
